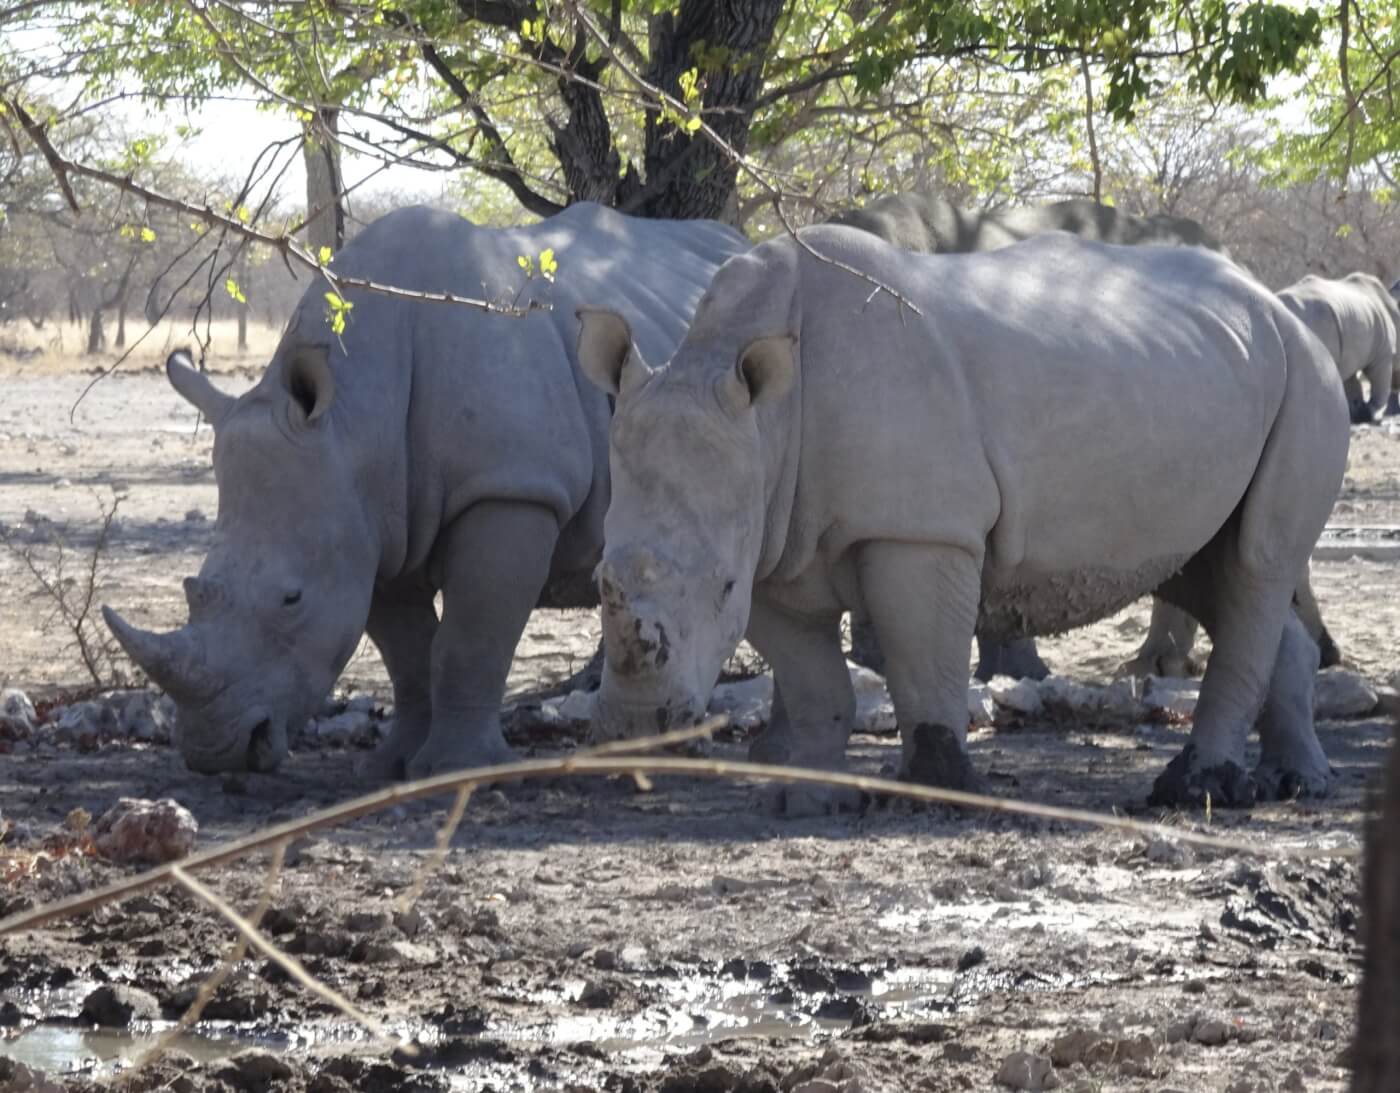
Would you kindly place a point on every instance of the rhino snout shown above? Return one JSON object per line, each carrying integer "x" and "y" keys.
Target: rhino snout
{"x": 258, "y": 745}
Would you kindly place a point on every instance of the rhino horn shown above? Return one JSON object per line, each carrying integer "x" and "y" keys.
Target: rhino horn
{"x": 174, "y": 660}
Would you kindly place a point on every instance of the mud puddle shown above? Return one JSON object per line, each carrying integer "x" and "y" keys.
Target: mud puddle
{"x": 64, "y": 1048}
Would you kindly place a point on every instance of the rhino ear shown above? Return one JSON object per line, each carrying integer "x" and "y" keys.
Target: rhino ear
{"x": 765, "y": 370}
{"x": 195, "y": 388}
{"x": 606, "y": 353}
{"x": 308, "y": 378}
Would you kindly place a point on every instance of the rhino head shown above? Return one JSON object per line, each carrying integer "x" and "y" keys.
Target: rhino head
{"x": 282, "y": 598}
{"x": 685, "y": 525}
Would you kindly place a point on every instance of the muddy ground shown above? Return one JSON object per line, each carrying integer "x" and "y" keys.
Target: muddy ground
{"x": 598, "y": 936}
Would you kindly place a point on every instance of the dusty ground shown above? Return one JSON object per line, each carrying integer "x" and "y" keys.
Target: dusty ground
{"x": 600, "y": 937}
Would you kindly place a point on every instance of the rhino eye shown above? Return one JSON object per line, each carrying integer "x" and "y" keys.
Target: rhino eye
{"x": 291, "y": 599}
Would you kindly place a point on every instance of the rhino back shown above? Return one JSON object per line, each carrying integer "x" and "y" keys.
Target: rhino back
{"x": 920, "y": 427}
{"x": 452, "y": 404}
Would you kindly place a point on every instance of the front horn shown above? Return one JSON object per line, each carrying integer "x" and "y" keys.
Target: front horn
{"x": 174, "y": 661}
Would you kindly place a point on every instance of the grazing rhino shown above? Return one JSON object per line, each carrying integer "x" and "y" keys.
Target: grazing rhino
{"x": 927, "y": 224}
{"x": 431, "y": 447}
{"x": 1358, "y": 320}
{"x": 813, "y": 448}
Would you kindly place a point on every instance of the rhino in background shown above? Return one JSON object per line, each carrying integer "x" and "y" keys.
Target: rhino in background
{"x": 927, "y": 224}
{"x": 1358, "y": 320}
{"x": 430, "y": 447}
{"x": 765, "y": 481}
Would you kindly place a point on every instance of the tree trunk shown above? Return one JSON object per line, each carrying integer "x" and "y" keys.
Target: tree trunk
{"x": 120, "y": 342}
{"x": 325, "y": 206}
{"x": 97, "y": 332}
{"x": 686, "y": 175}
{"x": 1377, "y": 1047}
{"x": 243, "y": 324}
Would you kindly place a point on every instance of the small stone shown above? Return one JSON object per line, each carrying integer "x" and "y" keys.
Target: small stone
{"x": 113, "y": 1006}
{"x": 195, "y": 516}
{"x": 83, "y": 719}
{"x": 1293, "y": 1083}
{"x": 259, "y": 1069}
{"x": 346, "y": 726}
{"x": 409, "y": 922}
{"x": 366, "y": 922}
{"x": 970, "y": 959}
{"x": 1339, "y": 694}
{"x": 578, "y": 706}
{"x": 151, "y": 832}
{"x": 1074, "y": 1046}
{"x": 747, "y": 703}
{"x": 1022, "y": 1070}
{"x": 874, "y": 710}
{"x": 1211, "y": 1032}
{"x": 598, "y": 994}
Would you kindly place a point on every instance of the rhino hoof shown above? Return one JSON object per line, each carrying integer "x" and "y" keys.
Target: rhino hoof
{"x": 1331, "y": 656}
{"x": 1277, "y": 783}
{"x": 938, "y": 758}
{"x": 1187, "y": 784}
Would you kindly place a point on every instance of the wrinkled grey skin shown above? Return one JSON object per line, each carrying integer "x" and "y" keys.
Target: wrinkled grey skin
{"x": 1358, "y": 320}
{"x": 927, "y": 224}
{"x": 764, "y": 483}
{"x": 431, "y": 447}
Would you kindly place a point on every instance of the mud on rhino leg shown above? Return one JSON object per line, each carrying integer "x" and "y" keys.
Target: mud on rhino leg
{"x": 923, "y": 600}
{"x": 402, "y": 623}
{"x": 818, "y": 704}
{"x": 492, "y": 561}
{"x": 1244, "y": 613}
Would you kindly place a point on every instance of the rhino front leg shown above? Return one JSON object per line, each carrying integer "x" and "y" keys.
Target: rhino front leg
{"x": 1291, "y": 760}
{"x": 402, "y": 623}
{"x": 492, "y": 561}
{"x": 818, "y": 707}
{"x": 923, "y": 600}
{"x": 1166, "y": 651}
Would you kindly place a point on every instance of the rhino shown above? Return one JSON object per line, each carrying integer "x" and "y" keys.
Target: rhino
{"x": 1358, "y": 320}
{"x": 927, "y": 224}
{"x": 815, "y": 446}
{"x": 429, "y": 448}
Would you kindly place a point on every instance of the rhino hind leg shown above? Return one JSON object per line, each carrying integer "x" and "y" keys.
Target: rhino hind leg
{"x": 1291, "y": 760}
{"x": 1392, "y": 405}
{"x": 923, "y": 600}
{"x": 493, "y": 560}
{"x": 818, "y": 705}
{"x": 1166, "y": 651}
{"x": 402, "y": 625}
{"x": 1306, "y": 607}
{"x": 1018, "y": 659}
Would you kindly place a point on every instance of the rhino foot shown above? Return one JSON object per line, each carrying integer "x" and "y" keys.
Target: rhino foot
{"x": 1331, "y": 656}
{"x": 1186, "y": 783}
{"x": 434, "y": 758}
{"x": 1392, "y": 406}
{"x": 1361, "y": 414}
{"x": 771, "y": 746}
{"x": 803, "y": 801}
{"x": 1278, "y": 782}
{"x": 938, "y": 758}
{"x": 389, "y": 762}
{"x": 1018, "y": 659}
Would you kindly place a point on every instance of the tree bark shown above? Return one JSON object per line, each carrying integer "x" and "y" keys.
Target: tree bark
{"x": 120, "y": 342}
{"x": 325, "y": 205}
{"x": 686, "y": 175}
{"x": 97, "y": 331}
{"x": 1377, "y": 1047}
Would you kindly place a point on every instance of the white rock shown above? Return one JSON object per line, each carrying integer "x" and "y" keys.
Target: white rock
{"x": 1172, "y": 695}
{"x": 747, "y": 702}
{"x": 343, "y": 726}
{"x": 874, "y": 710}
{"x": 578, "y": 705}
{"x": 1120, "y": 700}
{"x": 1017, "y": 695}
{"x": 83, "y": 718}
{"x": 1339, "y": 693}
{"x": 981, "y": 709}
{"x": 16, "y": 710}
{"x": 142, "y": 715}
{"x": 137, "y": 830}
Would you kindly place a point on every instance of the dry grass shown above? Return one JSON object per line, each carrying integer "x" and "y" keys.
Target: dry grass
{"x": 58, "y": 349}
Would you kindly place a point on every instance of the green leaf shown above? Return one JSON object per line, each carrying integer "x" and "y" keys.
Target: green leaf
{"x": 231, "y": 287}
